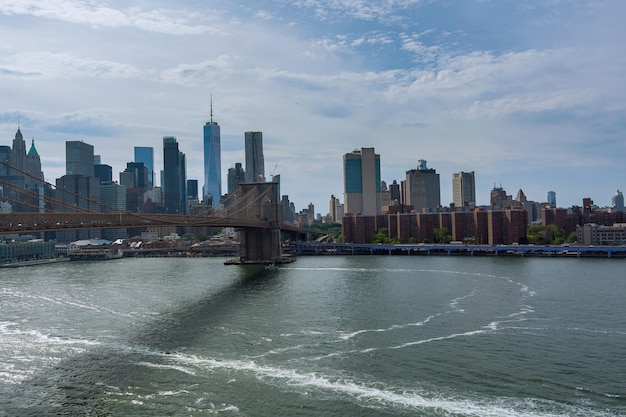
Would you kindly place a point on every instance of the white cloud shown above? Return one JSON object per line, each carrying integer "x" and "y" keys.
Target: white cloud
{"x": 64, "y": 65}
{"x": 175, "y": 22}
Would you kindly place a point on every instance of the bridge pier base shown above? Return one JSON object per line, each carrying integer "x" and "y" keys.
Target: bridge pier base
{"x": 260, "y": 246}
{"x": 260, "y": 202}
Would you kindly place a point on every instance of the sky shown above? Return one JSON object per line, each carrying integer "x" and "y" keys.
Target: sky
{"x": 527, "y": 94}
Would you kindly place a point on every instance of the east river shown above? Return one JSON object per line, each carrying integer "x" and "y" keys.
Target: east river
{"x": 324, "y": 336}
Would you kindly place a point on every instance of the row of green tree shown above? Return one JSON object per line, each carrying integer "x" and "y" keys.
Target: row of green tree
{"x": 535, "y": 234}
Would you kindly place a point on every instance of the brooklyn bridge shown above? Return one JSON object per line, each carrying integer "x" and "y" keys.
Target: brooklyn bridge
{"x": 254, "y": 210}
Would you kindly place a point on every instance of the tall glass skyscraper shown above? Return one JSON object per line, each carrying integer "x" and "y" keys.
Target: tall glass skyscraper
{"x": 174, "y": 177}
{"x": 79, "y": 158}
{"x": 145, "y": 154}
{"x": 212, "y": 161}
{"x": 255, "y": 165}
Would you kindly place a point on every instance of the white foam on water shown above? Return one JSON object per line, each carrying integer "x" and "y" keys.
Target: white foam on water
{"x": 454, "y": 304}
{"x": 347, "y": 336}
{"x": 172, "y": 393}
{"x": 164, "y": 366}
{"x": 372, "y": 395}
{"x": 450, "y": 336}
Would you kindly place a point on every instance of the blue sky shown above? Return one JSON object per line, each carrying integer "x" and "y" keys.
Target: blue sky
{"x": 528, "y": 94}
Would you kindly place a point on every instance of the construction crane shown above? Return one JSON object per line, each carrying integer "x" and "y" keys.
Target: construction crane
{"x": 273, "y": 171}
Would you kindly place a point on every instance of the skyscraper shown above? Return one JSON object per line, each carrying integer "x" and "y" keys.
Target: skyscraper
{"x": 79, "y": 158}
{"x": 113, "y": 198}
{"x": 236, "y": 175}
{"x": 22, "y": 171}
{"x": 463, "y": 189}
{"x": 174, "y": 177}
{"x": 255, "y": 165}
{"x": 422, "y": 188}
{"x": 212, "y": 161}
{"x": 192, "y": 189}
{"x": 552, "y": 198}
{"x": 361, "y": 179}
{"x": 145, "y": 154}
{"x": 618, "y": 201}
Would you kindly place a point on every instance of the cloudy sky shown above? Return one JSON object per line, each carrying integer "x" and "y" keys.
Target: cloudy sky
{"x": 528, "y": 94}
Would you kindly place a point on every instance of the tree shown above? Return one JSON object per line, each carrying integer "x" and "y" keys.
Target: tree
{"x": 442, "y": 235}
{"x": 573, "y": 237}
{"x": 382, "y": 236}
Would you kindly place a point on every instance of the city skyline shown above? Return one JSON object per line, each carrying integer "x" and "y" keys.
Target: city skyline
{"x": 526, "y": 94}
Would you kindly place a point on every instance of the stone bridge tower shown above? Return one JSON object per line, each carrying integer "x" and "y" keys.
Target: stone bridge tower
{"x": 260, "y": 201}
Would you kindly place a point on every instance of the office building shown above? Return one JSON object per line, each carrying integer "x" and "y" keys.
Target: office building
{"x": 499, "y": 199}
{"x": 289, "y": 209}
{"x": 22, "y": 172}
{"x": 212, "y": 161}
{"x": 77, "y": 193}
{"x": 145, "y": 154}
{"x": 140, "y": 174}
{"x": 79, "y": 158}
{"x": 335, "y": 215}
{"x": 255, "y": 165}
{"x": 595, "y": 234}
{"x": 113, "y": 199}
{"x": 422, "y": 188}
{"x": 236, "y": 175}
{"x": 463, "y": 189}
{"x": 174, "y": 177}
{"x": 103, "y": 172}
{"x": 192, "y": 189}
{"x": 394, "y": 192}
{"x": 552, "y": 199}
{"x": 362, "y": 185}
{"x": 618, "y": 201}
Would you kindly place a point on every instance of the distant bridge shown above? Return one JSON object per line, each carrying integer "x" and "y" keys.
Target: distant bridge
{"x": 254, "y": 209}
{"x": 47, "y": 222}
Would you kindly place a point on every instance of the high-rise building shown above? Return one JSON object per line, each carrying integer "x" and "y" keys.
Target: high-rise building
{"x": 103, "y": 172}
{"x": 145, "y": 154}
{"x": 335, "y": 214}
{"x": 552, "y": 198}
{"x": 463, "y": 189}
{"x": 236, "y": 175}
{"x": 361, "y": 179}
{"x": 422, "y": 188}
{"x": 255, "y": 165}
{"x": 113, "y": 199}
{"x": 212, "y": 161}
{"x": 192, "y": 189}
{"x": 141, "y": 174}
{"x": 394, "y": 192}
{"x": 289, "y": 210}
{"x": 22, "y": 171}
{"x": 79, "y": 158}
{"x": 499, "y": 199}
{"x": 74, "y": 192}
{"x": 174, "y": 177}
{"x": 618, "y": 201}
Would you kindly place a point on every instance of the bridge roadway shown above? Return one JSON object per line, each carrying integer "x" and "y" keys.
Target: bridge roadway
{"x": 303, "y": 248}
{"x": 44, "y": 222}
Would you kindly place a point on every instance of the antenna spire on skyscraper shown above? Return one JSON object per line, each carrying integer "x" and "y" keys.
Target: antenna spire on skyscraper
{"x": 211, "y": 107}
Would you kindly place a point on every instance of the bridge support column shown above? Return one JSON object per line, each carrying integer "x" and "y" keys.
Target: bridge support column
{"x": 261, "y": 202}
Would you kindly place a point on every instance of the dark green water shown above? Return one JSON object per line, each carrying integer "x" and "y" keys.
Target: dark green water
{"x": 325, "y": 336}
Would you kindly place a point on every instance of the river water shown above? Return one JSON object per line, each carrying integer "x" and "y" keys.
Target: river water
{"x": 324, "y": 336}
